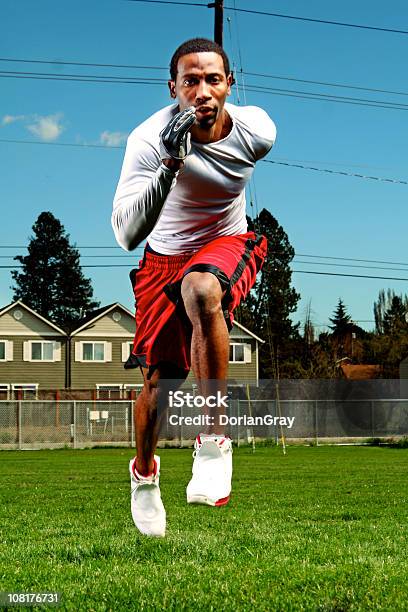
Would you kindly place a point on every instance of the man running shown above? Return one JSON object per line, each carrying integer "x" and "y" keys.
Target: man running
{"x": 182, "y": 187}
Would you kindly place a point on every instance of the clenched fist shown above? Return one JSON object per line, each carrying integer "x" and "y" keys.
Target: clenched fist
{"x": 175, "y": 138}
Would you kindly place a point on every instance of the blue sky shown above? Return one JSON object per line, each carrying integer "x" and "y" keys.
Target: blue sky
{"x": 323, "y": 214}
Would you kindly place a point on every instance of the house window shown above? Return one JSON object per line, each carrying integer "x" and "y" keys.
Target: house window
{"x": 236, "y": 353}
{"x": 25, "y": 390}
{"x": 6, "y": 350}
{"x": 132, "y": 390}
{"x": 93, "y": 351}
{"x": 4, "y": 392}
{"x": 127, "y": 348}
{"x": 109, "y": 391}
{"x": 240, "y": 353}
{"x": 42, "y": 351}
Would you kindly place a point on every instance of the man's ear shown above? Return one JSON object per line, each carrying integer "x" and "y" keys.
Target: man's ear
{"x": 230, "y": 82}
{"x": 172, "y": 89}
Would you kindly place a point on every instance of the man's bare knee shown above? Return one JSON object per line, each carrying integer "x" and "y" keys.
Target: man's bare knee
{"x": 202, "y": 294}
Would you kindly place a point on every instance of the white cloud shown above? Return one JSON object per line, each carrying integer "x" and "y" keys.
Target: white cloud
{"x": 7, "y": 119}
{"x": 113, "y": 139}
{"x": 47, "y": 128}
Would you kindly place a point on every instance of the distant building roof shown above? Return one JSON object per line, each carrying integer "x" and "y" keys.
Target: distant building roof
{"x": 360, "y": 372}
{"x": 21, "y": 304}
{"x": 93, "y": 316}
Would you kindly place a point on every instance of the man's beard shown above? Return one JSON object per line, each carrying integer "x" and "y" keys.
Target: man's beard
{"x": 206, "y": 123}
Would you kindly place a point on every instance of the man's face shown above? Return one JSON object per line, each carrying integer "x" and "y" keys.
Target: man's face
{"x": 201, "y": 82}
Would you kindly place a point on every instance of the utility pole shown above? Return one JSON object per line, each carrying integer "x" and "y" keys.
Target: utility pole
{"x": 218, "y": 6}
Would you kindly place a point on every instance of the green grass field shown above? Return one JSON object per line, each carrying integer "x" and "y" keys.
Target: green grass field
{"x": 318, "y": 529}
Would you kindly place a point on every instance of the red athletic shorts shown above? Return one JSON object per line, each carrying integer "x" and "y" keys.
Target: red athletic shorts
{"x": 163, "y": 330}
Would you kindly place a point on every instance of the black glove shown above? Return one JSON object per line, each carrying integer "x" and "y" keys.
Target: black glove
{"x": 175, "y": 138}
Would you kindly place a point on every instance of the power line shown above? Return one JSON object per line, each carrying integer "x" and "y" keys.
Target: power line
{"x": 319, "y": 96}
{"x": 251, "y": 186}
{"x": 325, "y": 83}
{"x": 328, "y": 171}
{"x": 62, "y": 144}
{"x": 294, "y": 271}
{"x": 141, "y": 248}
{"x": 392, "y": 263}
{"x": 145, "y": 80}
{"x": 349, "y": 275}
{"x": 75, "y": 247}
{"x": 280, "y": 15}
{"x": 328, "y": 97}
{"x": 79, "y": 79}
{"x": 126, "y": 257}
{"x": 66, "y": 63}
{"x": 309, "y": 95}
{"x": 165, "y": 68}
{"x": 171, "y": 2}
{"x": 90, "y": 78}
{"x": 294, "y": 262}
{"x": 85, "y": 266}
{"x": 309, "y": 19}
{"x": 270, "y": 161}
{"x": 341, "y": 164}
{"x": 336, "y": 265}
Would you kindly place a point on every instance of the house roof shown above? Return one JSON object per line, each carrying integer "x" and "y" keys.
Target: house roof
{"x": 93, "y": 316}
{"x": 5, "y": 308}
{"x": 248, "y": 331}
{"x": 33, "y": 312}
{"x": 360, "y": 372}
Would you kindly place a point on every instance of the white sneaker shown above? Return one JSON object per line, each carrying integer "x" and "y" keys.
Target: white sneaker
{"x": 148, "y": 512}
{"x": 212, "y": 471}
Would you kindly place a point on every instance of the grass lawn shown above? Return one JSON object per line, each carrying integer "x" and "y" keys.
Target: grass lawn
{"x": 318, "y": 529}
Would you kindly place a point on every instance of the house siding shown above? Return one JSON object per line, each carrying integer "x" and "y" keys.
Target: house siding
{"x": 48, "y": 375}
{"x": 243, "y": 371}
{"x": 86, "y": 375}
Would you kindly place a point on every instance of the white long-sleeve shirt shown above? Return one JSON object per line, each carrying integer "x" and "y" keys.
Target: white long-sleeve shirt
{"x": 205, "y": 199}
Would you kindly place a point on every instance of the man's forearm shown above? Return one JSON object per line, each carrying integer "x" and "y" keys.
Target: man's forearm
{"x": 134, "y": 218}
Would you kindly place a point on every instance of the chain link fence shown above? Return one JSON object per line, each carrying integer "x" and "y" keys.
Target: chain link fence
{"x": 249, "y": 416}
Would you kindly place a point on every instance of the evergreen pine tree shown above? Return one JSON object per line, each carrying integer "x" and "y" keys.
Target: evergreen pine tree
{"x": 390, "y": 308}
{"x": 267, "y": 309}
{"x": 340, "y": 320}
{"x": 395, "y": 316}
{"x": 51, "y": 281}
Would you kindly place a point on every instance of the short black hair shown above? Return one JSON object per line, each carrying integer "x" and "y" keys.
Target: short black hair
{"x": 197, "y": 45}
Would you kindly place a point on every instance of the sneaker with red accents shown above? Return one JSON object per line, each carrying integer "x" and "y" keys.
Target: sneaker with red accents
{"x": 148, "y": 512}
{"x": 212, "y": 471}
